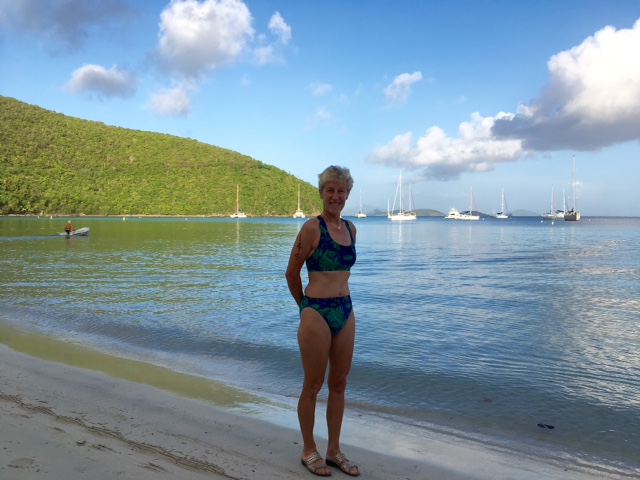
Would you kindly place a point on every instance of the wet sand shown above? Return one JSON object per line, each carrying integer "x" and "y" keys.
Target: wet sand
{"x": 61, "y": 421}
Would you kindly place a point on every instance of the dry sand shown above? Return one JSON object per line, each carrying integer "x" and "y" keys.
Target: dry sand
{"x": 63, "y": 422}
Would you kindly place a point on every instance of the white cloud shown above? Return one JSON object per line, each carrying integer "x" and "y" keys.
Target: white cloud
{"x": 318, "y": 89}
{"x": 398, "y": 91}
{"x": 321, "y": 115}
{"x": 64, "y": 25}
{"x": 592, "y": 99}
{"x": 107, "y": 83}
{"x": 269, "y": 53}
{"x": 279, "y": 27}
{"x": 171, "y": 102}
{"x": 441, "y": 157}
{"x": 197, "y": 37}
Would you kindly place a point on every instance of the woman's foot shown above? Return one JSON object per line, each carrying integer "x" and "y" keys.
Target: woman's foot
{"x": 316, "y": 465}
{"x": 342, "y": 462}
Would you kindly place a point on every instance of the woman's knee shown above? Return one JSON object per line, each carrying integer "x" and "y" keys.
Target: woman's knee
{"x": 338, "y": 384}
{"x": 312, "y": 386}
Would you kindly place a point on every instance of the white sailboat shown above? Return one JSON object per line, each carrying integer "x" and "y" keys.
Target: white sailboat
{"x": 238, "y": 213}
{"x": 560, "y": 213}
{"x": 299, "y": 213}
{"x": 551, "y": 214}
{"x": 360, "y": 213}
{"x": 554, "y": 214}
{"x": 573, "y": 215}
{"x": 454, "y": 214}
{"x": 504, "y": 212}
{"x": 401, "y": 214}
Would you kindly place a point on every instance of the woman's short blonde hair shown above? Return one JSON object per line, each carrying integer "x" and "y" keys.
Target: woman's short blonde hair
{"x": 335, "y": 174}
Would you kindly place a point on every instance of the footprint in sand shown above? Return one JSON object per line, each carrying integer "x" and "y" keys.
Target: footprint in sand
{"x": 22, "y": 463}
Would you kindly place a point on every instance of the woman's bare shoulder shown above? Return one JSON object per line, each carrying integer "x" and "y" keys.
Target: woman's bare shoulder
{"x": 352, "y": 226}
{"x": 311, "y": 225}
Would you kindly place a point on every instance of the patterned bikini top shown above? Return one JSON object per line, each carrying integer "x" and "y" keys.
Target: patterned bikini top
{"x": 330, "y": 256}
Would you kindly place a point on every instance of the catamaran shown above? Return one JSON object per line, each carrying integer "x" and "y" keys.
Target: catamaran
{"x": 401, "y": 214}
{"x": 554, "y": 214}
{"x": 573, "y": 215}
{"x": 299, "y": 213}
{"x": 360, "y": 213}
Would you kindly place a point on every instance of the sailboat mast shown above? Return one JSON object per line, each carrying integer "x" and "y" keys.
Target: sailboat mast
{"x": 400, "y": 182}
{"x": 410, "y": 199}
{"x": 470, "y": 200}
{"x": 573, "y": 183}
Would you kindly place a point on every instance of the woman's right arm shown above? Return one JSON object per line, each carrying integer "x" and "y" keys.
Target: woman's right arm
{"x": 301, "y": 250}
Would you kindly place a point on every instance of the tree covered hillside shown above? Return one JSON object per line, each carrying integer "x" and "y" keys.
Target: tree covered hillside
{"x": 54, "y": 164}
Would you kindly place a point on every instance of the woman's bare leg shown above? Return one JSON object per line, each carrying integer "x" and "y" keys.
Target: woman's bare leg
{"x": 340, "y": 358}
{"x": 314, "y": 340}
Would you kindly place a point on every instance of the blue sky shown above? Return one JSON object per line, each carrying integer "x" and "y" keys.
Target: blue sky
{"x": 489, "y": 94}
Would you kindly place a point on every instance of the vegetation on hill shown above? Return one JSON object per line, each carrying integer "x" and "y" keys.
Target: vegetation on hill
{"x": 54, "y": 164}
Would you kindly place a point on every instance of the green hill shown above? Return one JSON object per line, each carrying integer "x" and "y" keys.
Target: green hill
{"x": 54, "y": 164}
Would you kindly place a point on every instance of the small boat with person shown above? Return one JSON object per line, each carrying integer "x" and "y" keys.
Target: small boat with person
{"x": 81, "y": 232}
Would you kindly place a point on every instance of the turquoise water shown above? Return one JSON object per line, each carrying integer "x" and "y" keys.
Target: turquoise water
{"x": 489, "y": 328}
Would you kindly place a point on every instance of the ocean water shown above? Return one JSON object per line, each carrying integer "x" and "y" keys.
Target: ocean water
{"x": 515, "y": 331}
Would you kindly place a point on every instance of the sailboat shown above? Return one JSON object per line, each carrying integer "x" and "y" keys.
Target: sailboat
{"x": 560, "y": 213}
{"x": 401, "y": 214}
{"x": 554, "y": 214}
{"x": 551, "y": 215}
{"x": 503, "y": 213}
{"x": 360, "y": 213}
{"x": 238, "y": 213}
{"x": 454, "y": 214}
{"x": 299, "y": 213}
{"x": 573, "y": 215}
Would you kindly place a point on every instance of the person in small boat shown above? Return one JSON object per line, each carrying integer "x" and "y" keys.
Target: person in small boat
{"x": 69, "y": 228}
{"x": 326, "y": 333}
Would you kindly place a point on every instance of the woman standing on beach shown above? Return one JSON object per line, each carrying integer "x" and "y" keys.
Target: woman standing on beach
{"x": 327, "y": 323}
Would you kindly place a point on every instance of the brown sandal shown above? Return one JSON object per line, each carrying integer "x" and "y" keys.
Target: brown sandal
{"x": 339, "y": 462}
{"x": 314, "y": 457}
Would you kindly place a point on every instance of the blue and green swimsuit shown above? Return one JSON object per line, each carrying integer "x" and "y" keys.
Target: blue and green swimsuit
{"x": 330, "y": 256}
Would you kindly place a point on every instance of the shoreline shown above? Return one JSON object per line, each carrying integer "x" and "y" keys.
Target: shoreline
{"x": 63, "y": 421}
{"x": 310, "y": 215}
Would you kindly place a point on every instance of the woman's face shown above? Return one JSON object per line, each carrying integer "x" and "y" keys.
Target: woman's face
{"x": 334, "y": 195}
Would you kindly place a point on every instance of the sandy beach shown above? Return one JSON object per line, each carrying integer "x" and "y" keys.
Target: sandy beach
{"x": 63, "y": 422}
